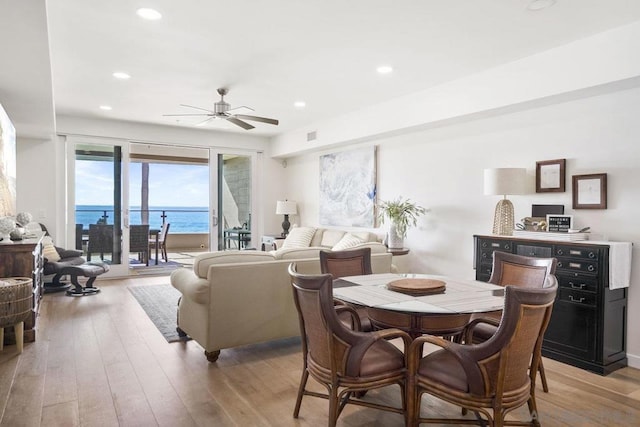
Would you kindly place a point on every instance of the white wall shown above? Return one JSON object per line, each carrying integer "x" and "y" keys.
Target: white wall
{"x": 442, "y": 169}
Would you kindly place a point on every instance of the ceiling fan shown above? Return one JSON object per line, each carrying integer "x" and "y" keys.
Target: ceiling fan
{"x": 222, "y": 110}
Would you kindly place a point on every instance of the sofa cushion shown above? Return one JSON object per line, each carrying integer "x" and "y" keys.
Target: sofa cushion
{"x": 297, "y": 253}
{"x": 331, "y": 237}
{"x": 203, "y": 261}
{"x": 299, "y": 237}
{"x": 347, "y": 241}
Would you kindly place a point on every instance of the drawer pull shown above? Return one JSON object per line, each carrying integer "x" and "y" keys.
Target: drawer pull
{"x": 572, "y": 299}
{"x": 507, "y": 247}
{"x": 580, "y": 286}
{"x": 592, "y": 255}
{"x": 591, "y": 268}
{"x": 559, "y": 252}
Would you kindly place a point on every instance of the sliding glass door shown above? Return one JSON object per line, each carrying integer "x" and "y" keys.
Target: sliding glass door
{"x": 99, "y": 200}
{"x": 233, "y": 186}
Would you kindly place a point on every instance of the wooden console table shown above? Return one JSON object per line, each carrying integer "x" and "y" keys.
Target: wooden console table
{"x": 588, "y": 326}
{"x": 24, "y": 259}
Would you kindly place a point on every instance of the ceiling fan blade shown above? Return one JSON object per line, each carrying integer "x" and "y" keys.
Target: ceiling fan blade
{"x": 178, "y": 115}
{"x": 240, "y": 123}
{"x": 197, "y": 108}
{"x": 257, "y": 119}
{"x": 243, "y": 107}
{"x": 202, "y": 123}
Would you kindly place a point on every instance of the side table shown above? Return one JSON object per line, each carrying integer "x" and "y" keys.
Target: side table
{"x": 270, "y": 242}
{"x": 400, "y": 259}
{"x": 16, "y": 303}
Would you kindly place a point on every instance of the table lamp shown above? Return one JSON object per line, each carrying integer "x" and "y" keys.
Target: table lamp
{"x": 286, "y": 208}
{"x": 504, "y": 181}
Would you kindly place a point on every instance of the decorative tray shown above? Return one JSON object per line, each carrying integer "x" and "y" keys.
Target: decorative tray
{"x": 417, "y": 287}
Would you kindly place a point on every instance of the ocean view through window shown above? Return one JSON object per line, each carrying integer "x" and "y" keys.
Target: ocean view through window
{"x": 183, "y": 219}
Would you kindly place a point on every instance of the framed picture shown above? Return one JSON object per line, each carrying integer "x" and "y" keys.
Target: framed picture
{"x": 559, "y": 223}
{"x": 550, "y": 176}
{"x": 590, "y": 191}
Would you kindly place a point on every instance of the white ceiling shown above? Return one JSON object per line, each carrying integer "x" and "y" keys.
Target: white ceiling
{"x": 272, "y": 53}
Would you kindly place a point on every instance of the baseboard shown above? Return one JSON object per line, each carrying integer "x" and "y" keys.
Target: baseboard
{"x": 633, "y": 361}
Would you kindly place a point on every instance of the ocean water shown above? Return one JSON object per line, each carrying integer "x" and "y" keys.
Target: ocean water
{"x": 182, "y": 219}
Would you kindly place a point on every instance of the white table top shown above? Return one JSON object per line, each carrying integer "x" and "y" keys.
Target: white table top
{"x": 460, "y": 296}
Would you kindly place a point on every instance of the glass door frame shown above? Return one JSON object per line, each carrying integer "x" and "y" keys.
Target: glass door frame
{"x": 216, "y": 221}
{"x": 72, "y": 142}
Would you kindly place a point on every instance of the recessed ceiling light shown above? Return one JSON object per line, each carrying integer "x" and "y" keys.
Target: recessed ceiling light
{"x": 299, "y": 104}
{"x": 149, "y": 14}
{"x": 122, "y": 76}
{"x": 536, "y": 5}
{"x": 106, "y": 107}
{"x": 384, "y": 69}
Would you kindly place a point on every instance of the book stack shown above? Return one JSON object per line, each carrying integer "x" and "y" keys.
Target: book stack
{"x": 547, "y": 235}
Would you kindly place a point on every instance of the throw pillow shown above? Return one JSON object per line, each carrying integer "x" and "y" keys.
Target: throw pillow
{"x": 299, "y": 237}
{"x": 49, "y": 251}
{"x": 347, "y": 241}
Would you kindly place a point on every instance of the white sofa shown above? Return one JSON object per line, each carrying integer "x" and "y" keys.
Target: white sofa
{"x": 234, "y": 298}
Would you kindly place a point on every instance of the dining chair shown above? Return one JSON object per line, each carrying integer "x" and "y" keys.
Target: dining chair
{"x": 517, "y": 270}
{"x": 162, "y": 242}
{"x": 345, "y": 361}
{"x": 354, "y": 262}
{"x": 139, "y": 241}
{"x": 100, "y": 240}
{"x": 491, "y": 378}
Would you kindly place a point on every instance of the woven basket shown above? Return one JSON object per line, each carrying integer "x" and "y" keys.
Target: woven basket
{"x": 16, "y": 300}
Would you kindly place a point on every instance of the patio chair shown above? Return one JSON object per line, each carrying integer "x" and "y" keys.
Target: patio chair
{"x": 162, "y": 242}
{"x": 139, "y": 242}
{"x": 100, "y": 240}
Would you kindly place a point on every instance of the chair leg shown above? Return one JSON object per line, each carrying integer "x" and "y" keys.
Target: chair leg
{"x": 19, "y": 332}
{"x": 543, "y": 377}
{"x": 303, "y": 384}
{"x": 1, "y": 338}
{"x": 333, "y": 406}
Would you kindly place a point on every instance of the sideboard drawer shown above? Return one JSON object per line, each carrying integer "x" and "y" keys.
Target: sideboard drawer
{"x": 577, "y": 297}
{"x": 578, "y": 252}
{"x": 579, "y": 282}
{"x": 577, "y": 266}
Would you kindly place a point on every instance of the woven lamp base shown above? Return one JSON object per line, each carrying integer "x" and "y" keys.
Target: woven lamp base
{"x": 503, "y": 222}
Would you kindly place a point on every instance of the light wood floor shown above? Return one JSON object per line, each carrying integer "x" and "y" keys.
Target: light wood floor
{"x": 99, "y": 361}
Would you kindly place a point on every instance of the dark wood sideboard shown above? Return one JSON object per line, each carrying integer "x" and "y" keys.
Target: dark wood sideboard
{"x": 589, "y": 321}
{"x": 24, "y": 259}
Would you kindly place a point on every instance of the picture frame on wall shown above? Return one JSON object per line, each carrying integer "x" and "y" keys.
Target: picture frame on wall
{"x": 550, "y": 176}
{"x": 590, "y": 191}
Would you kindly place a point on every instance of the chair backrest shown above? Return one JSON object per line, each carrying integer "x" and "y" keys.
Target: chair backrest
{"x": 519, "y": 270}
{"x": 504, "y": 360}
{"x": 354, "y": 262}
{"x": 79, "y": 236}
{"x": 328, "y": 344}
{"x": 139, "y": 238}
{"x": 163, "y": 232}
{"x": 100, "y": 238}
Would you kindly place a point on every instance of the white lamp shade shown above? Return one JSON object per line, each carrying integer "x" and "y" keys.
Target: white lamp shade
{"x": 286, "y": 207}
{"x": 504, "y": 181}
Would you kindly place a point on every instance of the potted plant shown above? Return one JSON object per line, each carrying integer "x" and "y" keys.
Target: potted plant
{"x": 402, "y": 214}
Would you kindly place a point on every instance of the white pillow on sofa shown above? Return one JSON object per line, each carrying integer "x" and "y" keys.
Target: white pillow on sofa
{"x": 299, "y": 237}
{"x": 347, "y": 241}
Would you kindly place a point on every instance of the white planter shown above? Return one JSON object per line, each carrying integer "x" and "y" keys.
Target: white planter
{"x": 394, "y": 241}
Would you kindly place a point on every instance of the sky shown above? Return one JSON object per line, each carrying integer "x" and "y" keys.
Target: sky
{"x": 169, "y": 184}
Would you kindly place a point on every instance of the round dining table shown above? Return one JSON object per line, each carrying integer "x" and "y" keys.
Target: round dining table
{"x": 445, "y": 312}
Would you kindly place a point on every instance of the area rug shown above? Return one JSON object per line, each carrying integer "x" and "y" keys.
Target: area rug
{"x": 160, "y": 302}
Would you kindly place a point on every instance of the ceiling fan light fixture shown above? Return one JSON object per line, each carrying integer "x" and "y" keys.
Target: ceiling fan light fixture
{"x": 148, "y": 14}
